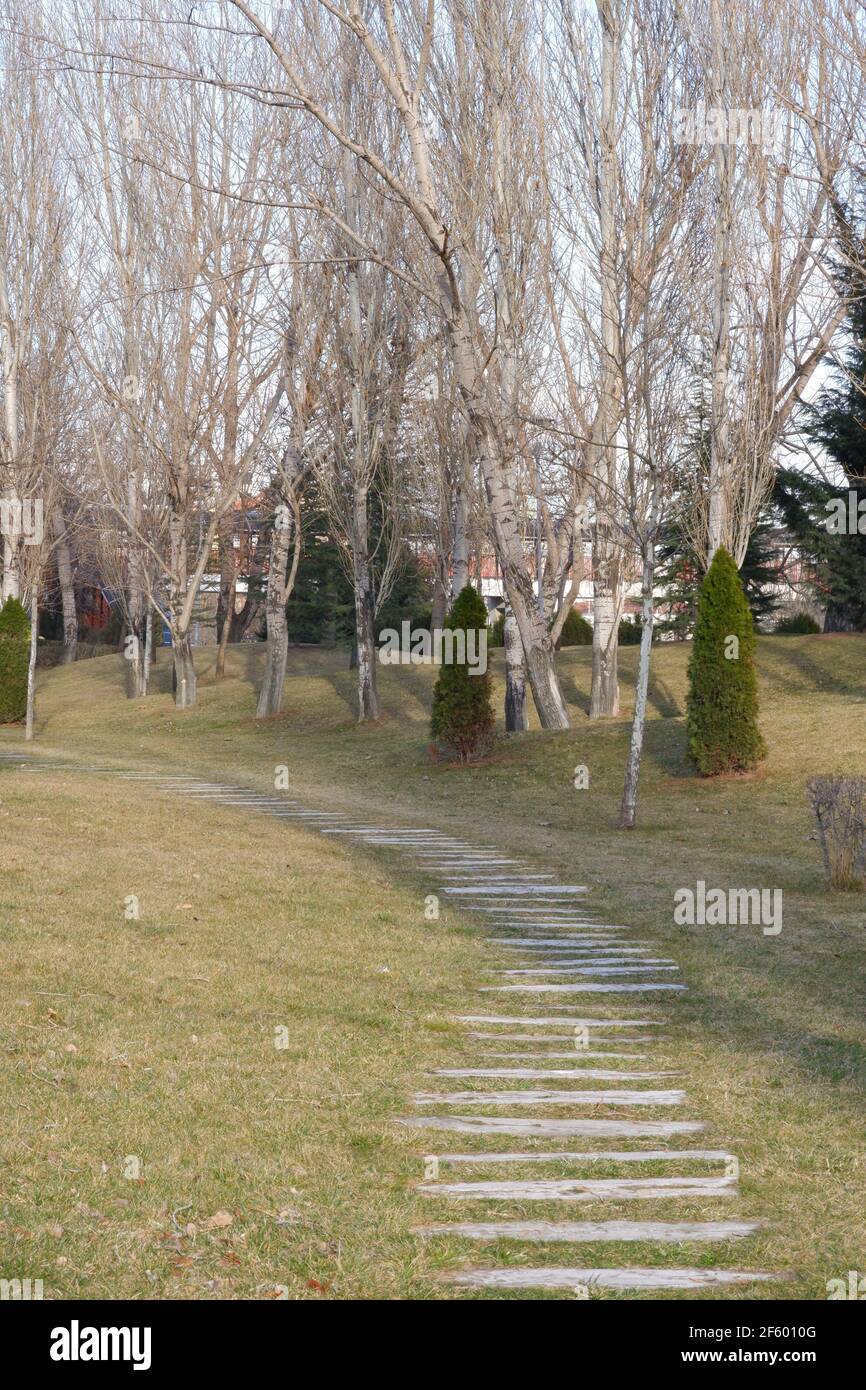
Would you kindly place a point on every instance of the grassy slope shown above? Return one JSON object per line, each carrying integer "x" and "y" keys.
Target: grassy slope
{"x": 770, "y": 1037}
{"x": 156, "y": 1038}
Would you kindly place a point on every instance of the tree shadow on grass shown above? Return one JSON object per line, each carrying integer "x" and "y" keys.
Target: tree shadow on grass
{"x": 161, "y": 672}
{"x": 405, "y": 692}
{"x": 818, "y": 678}
{"x": 577, "y": 696}
{"x": 814, "y": 1053}
{"x": 661, "y": 698}
{"x": 665, "y": 748}
{"x": 252, "y": 664}
{"x": 417, "y": 683}
{"x": 343, "y": 685}
{"x": 245, "y": 662}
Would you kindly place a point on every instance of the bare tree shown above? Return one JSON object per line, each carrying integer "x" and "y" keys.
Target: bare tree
{"x": 206, "y": 350}
{"x": 35, "y": 224}
{"x": 309, "y": 309}
{"x": 399, "y": 50}
{"x": 620, "y": 214}
{"x": 777, "y": 152}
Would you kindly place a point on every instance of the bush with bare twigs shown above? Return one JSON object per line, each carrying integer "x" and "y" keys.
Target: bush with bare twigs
{"x": 839, "y": 808}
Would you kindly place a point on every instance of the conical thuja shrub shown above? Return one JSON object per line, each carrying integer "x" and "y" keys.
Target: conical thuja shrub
{"x": 14, "y": 660}
{"x": 722, "y": 724}
{"x": 462, "y": 719}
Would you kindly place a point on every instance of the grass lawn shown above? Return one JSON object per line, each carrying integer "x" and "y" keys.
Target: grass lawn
{"x": 155, "y": 1038}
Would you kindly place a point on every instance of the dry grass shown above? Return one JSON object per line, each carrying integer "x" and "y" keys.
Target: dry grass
{"x": 770, "y": 1038}
{"x": 156, "y": 1040}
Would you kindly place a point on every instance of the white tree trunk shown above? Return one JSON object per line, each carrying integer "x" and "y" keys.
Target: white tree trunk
{"x": 136, "y": 599}
{"x": 148, "y": 647}
{"x": 31, "y": 666}
{"x": 460, "y": 573}
{"x": 11, "y": 543}
{"x": 271, "y": 693}
{"x": 516, "y": 719}
{"x": 498, "y": 79}
{"x": 628, "y": 808}
{"x": 604, "y": 699}
{"x": 184, "y": 668}
{"x": 184, "y": 671}
{"x": 67, "y": 587}
{"x": 11, "y": 568}
{"x": 461, "y": 543}
{"x": 365, "y": 640}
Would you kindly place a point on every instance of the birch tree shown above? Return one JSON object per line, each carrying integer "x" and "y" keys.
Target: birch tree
{"x": 310, "y": 306}
{"x": 777, "y": 152}
{"x": 620, "y": 187}
{"x": 107, "y": 133}
{"x": 210, "y": 380}
{"x": 35, "y": 222}
{"x": 399, "y": 49}
{"x": 355, "y": 462}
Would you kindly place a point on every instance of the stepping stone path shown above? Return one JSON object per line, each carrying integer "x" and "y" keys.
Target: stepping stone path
{"x": 539, "y": 928}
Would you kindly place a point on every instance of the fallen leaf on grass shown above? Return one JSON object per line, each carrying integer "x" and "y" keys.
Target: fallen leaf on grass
{"x": 289, "y": 1216}
{"x": 218, "y": 1221}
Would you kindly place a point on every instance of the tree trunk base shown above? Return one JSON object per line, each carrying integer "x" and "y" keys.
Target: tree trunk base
{"x": 136, "y": 678}
{"x": 516, "y": 717}
{"x": 544, "y": 684}
{"x": 271, "y": 693}
{"x": 184, "y": 678}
